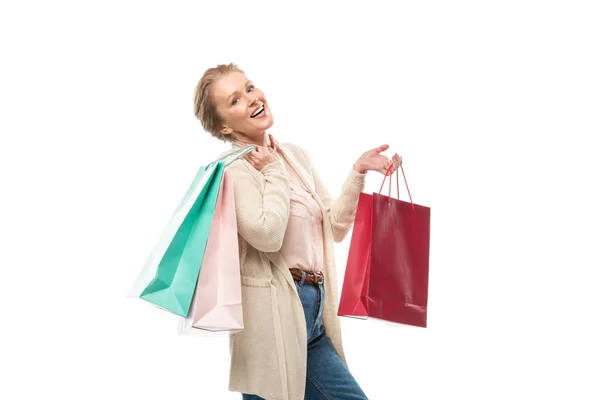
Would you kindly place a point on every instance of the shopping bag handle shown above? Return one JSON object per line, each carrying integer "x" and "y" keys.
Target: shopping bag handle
{"x": 238, "y": 153}
{"x": 389, "y": 173}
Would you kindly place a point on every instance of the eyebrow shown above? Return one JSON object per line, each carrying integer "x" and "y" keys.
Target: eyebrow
{"x": 229, "y": 98}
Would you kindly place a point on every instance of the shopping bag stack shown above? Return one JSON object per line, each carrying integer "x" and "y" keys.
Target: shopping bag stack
{"x": 387, "y": 272}
{"x": 193, "y": 271}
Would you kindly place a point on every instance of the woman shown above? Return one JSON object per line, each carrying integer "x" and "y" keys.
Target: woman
{"x": 291, "y": 346}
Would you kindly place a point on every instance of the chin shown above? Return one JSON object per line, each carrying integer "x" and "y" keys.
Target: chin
{"x": 269, "y": 123}
{"x": 265, "y": 124}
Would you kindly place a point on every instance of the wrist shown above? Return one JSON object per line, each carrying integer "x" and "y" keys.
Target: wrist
{"x": 359, "y": 168}
{"x": 269, "y": 167}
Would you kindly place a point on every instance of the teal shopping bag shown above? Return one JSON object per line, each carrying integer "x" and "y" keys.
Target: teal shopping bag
{"x": 169, "y": 277}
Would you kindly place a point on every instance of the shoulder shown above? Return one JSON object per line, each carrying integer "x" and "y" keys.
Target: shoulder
{"x": 239, "y": 167}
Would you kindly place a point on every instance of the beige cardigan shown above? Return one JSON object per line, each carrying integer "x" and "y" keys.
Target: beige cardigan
{"x": 268, "y": 358}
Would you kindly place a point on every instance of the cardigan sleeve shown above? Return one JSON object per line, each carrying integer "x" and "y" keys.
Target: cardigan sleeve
{"x": 341, "y": 211}
{"x": 261, "y": 213}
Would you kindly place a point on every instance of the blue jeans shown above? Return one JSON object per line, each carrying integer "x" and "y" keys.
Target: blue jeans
{"x": 327, "y": 377}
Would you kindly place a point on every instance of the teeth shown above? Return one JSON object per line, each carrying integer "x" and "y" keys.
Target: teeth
{"x": 258, "y": 111}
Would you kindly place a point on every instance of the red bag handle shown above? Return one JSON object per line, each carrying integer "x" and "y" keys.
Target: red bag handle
{"x": 387, "y": 173}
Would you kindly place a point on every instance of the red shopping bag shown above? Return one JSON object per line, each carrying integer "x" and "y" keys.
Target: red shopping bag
{"x": 387, "y": 273}
{"x": 354, "y": 297}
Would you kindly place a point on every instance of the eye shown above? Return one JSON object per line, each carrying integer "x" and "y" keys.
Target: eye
{"x": 235, "y": 101}
{"x": 250, "y": 88}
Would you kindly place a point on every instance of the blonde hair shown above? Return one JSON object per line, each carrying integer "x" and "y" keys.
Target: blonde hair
{"x": 204, "y": 107}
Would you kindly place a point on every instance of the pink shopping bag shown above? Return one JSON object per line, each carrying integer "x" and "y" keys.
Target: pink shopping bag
{"x": 217, "y": 302}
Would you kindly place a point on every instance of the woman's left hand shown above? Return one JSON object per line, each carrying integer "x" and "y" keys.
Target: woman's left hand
{"x": 372, "y": 160}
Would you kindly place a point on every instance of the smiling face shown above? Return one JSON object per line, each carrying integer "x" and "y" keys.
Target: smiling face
{"x": 243, "y": 108}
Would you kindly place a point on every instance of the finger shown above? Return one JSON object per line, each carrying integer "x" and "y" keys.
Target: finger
{"x": 250, "y": 161}
{"x": 395, "y": 161}
{"x": 386, "y": 169}
{"x": 381, "y": 148}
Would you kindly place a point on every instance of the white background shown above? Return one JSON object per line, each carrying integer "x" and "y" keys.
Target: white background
{"x": 493, "y": 105}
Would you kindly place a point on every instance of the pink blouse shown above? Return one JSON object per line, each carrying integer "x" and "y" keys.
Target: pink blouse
{"x": 303, "y": 240}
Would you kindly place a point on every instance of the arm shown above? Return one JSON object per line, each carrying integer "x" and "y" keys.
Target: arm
{"x": 262, "y": 215}
{"x": 340, "y": 211}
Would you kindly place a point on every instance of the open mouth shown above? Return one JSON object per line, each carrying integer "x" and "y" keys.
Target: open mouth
{"x": 260, "y": 111}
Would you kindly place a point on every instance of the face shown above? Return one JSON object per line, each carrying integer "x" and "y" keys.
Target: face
{"x": 242, "y": 106}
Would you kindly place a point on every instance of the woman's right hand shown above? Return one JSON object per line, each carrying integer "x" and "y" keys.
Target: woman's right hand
{"x": 261, "y": 156}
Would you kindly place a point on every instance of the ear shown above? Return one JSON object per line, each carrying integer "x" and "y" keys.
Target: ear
{"x": 225, "y": 130}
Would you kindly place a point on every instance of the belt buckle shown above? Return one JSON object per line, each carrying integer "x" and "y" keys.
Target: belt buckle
{"x": 318, "y": 276}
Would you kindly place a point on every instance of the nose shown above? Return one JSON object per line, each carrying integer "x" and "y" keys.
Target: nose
{"x": 253, "y": 102}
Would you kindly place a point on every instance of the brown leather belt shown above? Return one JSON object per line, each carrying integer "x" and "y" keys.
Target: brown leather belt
{"x": 310, "y": 277}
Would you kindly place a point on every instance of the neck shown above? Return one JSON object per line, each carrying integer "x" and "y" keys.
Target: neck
{"x": 262, "y": 139}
